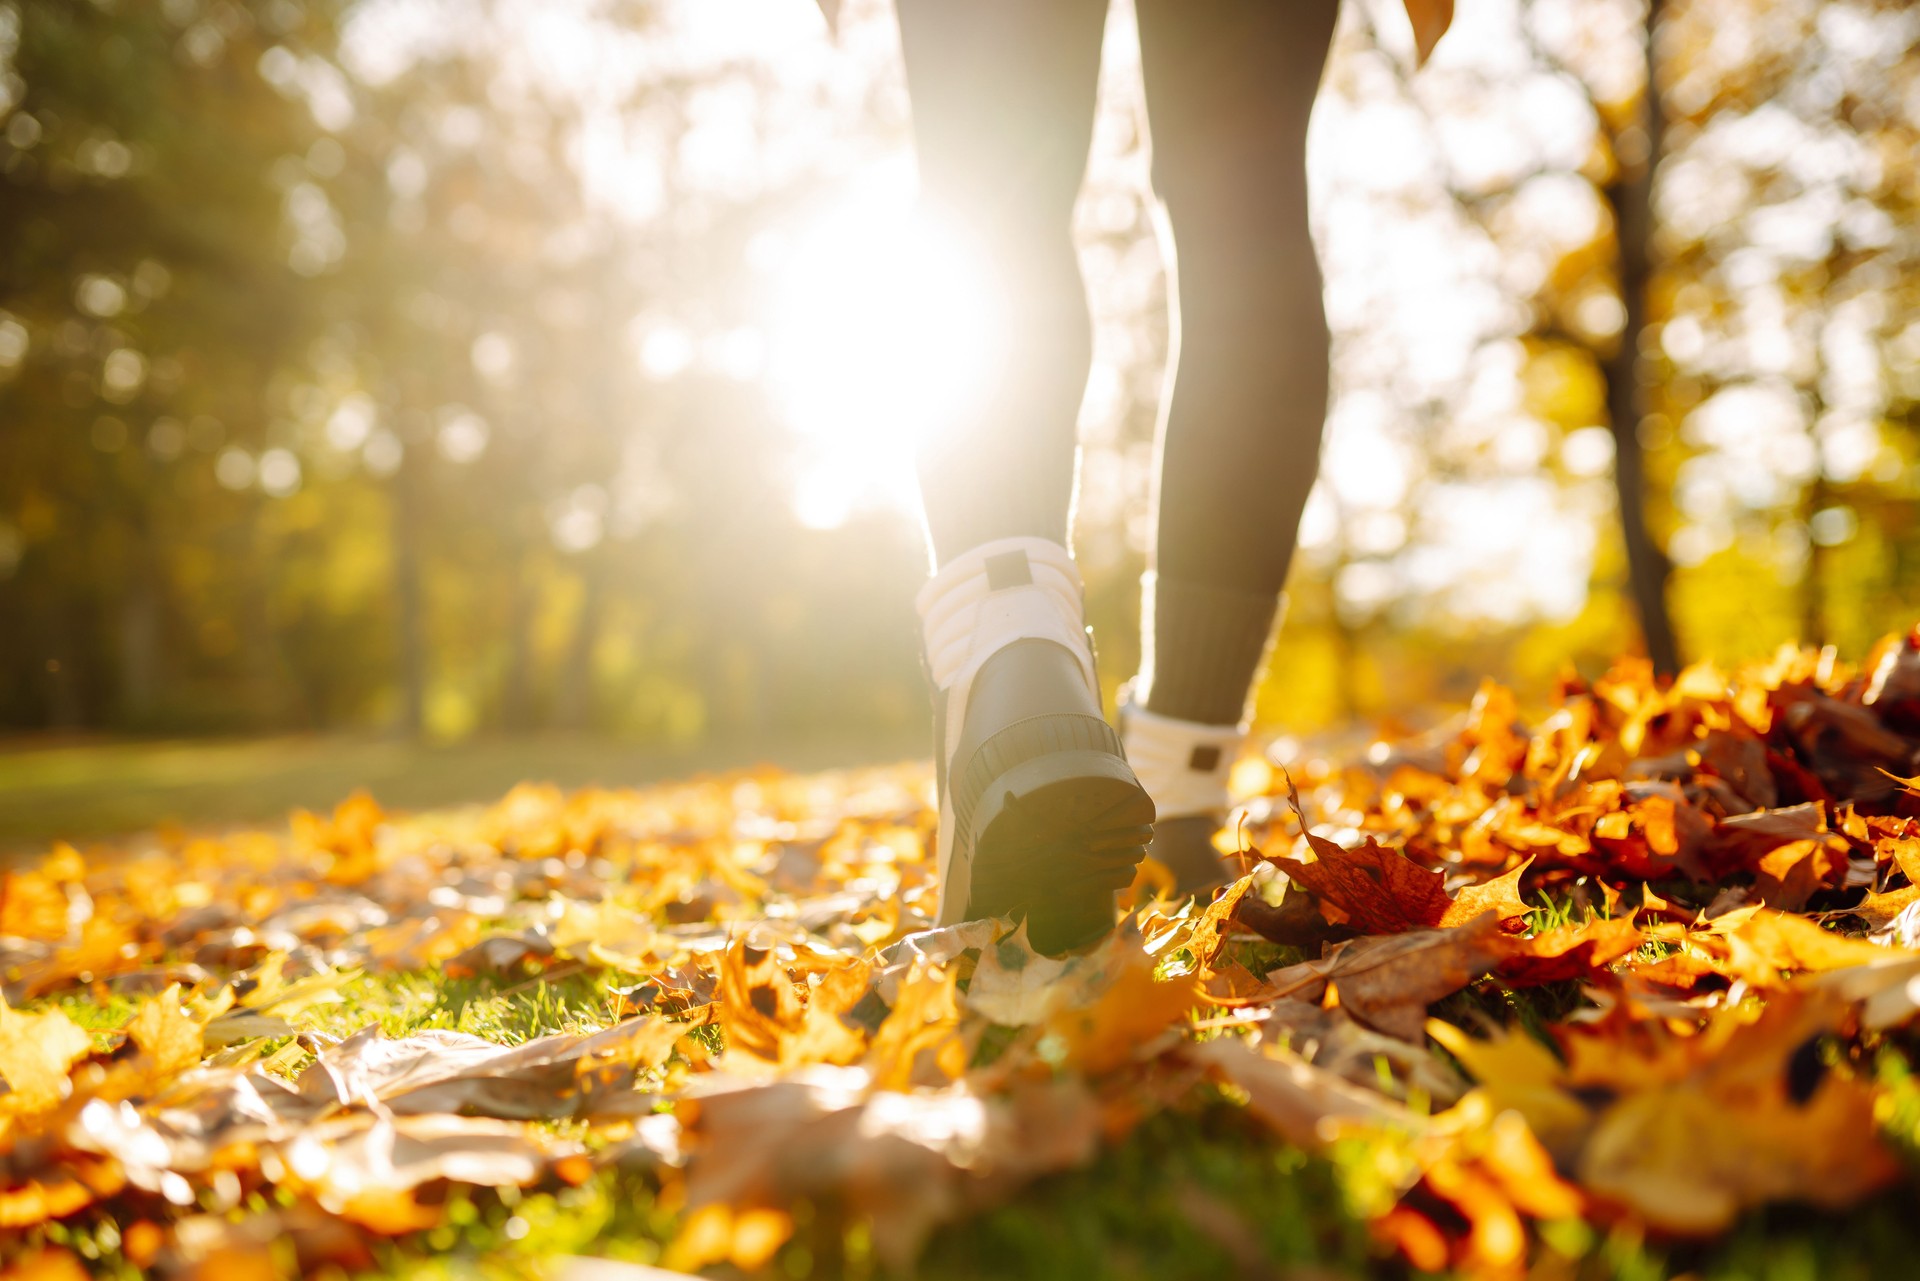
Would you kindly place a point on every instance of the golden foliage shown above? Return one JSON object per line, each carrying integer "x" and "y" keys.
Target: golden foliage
{"x": 1693, "y": 864}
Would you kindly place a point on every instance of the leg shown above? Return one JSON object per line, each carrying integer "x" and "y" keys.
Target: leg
{"x": 1230, "y": 87}
{"x": 1003, "y": 95}
{"x": 1040, "y": 815}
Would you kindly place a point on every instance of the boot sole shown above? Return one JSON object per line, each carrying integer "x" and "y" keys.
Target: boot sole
{"x": 1055, "y": 837}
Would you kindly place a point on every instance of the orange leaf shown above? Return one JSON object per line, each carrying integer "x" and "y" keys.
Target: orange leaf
{"x": 1570, "y": 952}
{"x": 1430, "y": 19}
{"x": 1502, "y": 895}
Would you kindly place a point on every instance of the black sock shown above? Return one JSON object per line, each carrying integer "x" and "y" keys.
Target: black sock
{"x": 1205, "y": 648}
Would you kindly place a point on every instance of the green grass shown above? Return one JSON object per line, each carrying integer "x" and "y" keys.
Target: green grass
{"x": 1200, "y": 1191}
{"x": 81, "y": 791}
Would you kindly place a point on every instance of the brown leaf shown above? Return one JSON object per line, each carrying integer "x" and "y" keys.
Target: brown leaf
{"x": 1296, "y": 922}
{"x": 1374, "y": 889}
{"x": 1210, "y": 930}
{"x": 1879, "y": 910}
{"x": 903, "y": 1161}
{"x": 1387, "y": 982}
{"x": 1788, "y": 875}
{"x": 1332, "y": 1041}
{"x": 1305, "y": 1105}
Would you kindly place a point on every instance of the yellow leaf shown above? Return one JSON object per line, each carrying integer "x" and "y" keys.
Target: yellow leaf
{"x": 1689, "y": 1160}
{"x": 166, "y": 1035}
{"x": 1129, "y": 1015}
{"x": 36, "y": 1050}
{"x": 49, "y": 1263}
{"x": 718, "y": 1233}
{"x": 1518, "y": 1073}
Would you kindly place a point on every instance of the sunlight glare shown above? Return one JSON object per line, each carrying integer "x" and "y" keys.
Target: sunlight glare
{"x": 885, "y": 330}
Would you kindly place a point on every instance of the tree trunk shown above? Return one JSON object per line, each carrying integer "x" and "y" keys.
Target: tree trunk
{"x": 1813, "y": 605}
{"x": 516, "y": 689}
{"x": 408, "y": 605}
{"x": 140, "y": 644}
{"x": 1630, "y": 196}
{"x": 573, "y": 705}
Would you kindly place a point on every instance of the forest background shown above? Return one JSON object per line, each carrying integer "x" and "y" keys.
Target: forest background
{"x": 450, "y": 369}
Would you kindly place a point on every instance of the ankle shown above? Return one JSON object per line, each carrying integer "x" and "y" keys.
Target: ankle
{"x": 1184, "y": 765}
{"x": 1204, "y": 646}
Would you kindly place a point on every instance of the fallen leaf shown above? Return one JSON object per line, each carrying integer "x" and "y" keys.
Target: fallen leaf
{"x": 168, "y": 1038}
{"x": 1568, "y": 952}
{"x": 1500, "y": 895}
{"x": 1430, "y": 19}
{"x": 1374, "y": 889}
{"x": 1307, "y": 1106}
{"x": 767, "y": 1018}
{"x": 36, "y": 1051}
{"x": 1388, "y": 982}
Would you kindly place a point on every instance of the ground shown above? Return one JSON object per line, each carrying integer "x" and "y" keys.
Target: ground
{"x": 1622, "y": 989}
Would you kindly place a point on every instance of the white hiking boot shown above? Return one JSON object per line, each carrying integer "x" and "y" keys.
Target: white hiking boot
{"x": 1184, "y": 765}
{"x": 1040, "y": 815}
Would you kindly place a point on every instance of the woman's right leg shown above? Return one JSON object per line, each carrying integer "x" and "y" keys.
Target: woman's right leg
{"x": 1040, "y": 815}
{"x": 1003, "y": 100}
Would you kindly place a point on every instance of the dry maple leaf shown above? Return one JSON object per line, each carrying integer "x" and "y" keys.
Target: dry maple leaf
{"x": 1378, "y": 890}
{"x": 1127, "y": 1018}
{"x": 1690, "y": 1156}
{"x": 1374, "y": 889}
{"x": 766, "y": 1017}
{"x": 1388, "y": 982}
{"x": 1500, "y": 896}
{"x": 36, "y": 1052}
{"x": 1569, "y": 952}
{"x": 1305, "y": 1105}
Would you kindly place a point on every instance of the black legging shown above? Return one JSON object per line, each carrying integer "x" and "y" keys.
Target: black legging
{"x": 1003, "y": 104}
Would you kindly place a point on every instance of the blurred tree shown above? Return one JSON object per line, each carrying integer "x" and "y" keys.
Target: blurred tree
{"x": 145, "y": 302}
{"x": 1786, "y": 213}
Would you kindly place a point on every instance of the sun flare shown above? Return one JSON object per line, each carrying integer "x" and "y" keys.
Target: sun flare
{"x": 885, "y": 329}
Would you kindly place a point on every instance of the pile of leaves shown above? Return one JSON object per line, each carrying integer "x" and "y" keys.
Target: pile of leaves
{"x": 1649, "y": 963}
